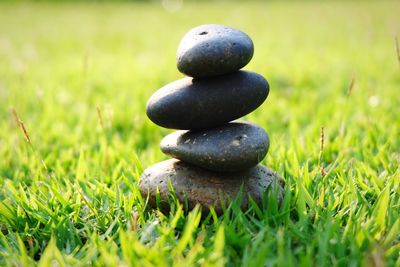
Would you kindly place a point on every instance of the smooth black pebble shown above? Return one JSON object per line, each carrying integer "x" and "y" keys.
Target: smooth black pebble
{"x": 210, "y": 50}
{"x": 189, "y": 103}
{"x": 233, "y": 147}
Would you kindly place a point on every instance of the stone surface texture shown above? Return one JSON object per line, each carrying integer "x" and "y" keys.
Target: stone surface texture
{"x": 192, "y": 104}
{"x": 212, "y": 49}
{"x": 232, "y": 147}
{"x": 199, "y": 186}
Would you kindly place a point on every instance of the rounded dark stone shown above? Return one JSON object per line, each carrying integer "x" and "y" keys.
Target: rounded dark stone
{"x": 189, "y": 103}
{"x": 212, "y": 49}
{"x": 232, "y": 147}
{"x": 200, "y": 186}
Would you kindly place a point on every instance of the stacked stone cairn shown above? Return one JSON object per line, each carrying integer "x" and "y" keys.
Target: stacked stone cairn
{"x": 214, "y": 157}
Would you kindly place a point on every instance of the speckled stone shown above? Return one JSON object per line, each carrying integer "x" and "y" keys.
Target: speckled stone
{"x": 199, "y": 186}
{"x": 190, "y": 104}
{"x": 232, "y": 147}
{"x": 212, "y": 49}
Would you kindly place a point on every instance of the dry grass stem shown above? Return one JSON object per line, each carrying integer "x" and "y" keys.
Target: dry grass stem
{"x": 321, "y": 151}
{"x": 396, "y": 40}
{"x": 351, "y": 86}
{"x": 99, "y": 114}
{"x": 21, "y": 126}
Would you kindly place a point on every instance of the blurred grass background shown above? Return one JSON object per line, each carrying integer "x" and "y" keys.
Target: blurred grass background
{"x": 78, "y": 74}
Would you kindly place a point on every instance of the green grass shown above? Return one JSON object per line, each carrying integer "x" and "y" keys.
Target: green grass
{"x": 71, "y": 197}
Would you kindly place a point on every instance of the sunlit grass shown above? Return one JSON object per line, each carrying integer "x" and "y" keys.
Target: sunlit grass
{"x": 78, "y": 77}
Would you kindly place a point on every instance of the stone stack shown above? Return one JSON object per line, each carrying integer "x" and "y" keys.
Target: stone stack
{"x": 214, "y": 157}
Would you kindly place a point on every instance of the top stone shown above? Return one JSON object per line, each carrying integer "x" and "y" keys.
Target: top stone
{"x": 210, "y": 50}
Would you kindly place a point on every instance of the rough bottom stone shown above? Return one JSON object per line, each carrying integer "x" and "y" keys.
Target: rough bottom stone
{"x": 207, "y": 188}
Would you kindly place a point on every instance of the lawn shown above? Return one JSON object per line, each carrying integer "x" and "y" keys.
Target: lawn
{"x": 74, "y": 137}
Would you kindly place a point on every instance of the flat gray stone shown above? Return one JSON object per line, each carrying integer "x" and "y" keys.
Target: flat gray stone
{"x": 212, "y": 49}
{"x": 232, "y": 147}
{"x": 190, "y": 104}
{"x": 200, "y": 186}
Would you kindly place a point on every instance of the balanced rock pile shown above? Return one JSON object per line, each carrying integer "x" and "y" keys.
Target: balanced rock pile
{"x": 214, "y": 157}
